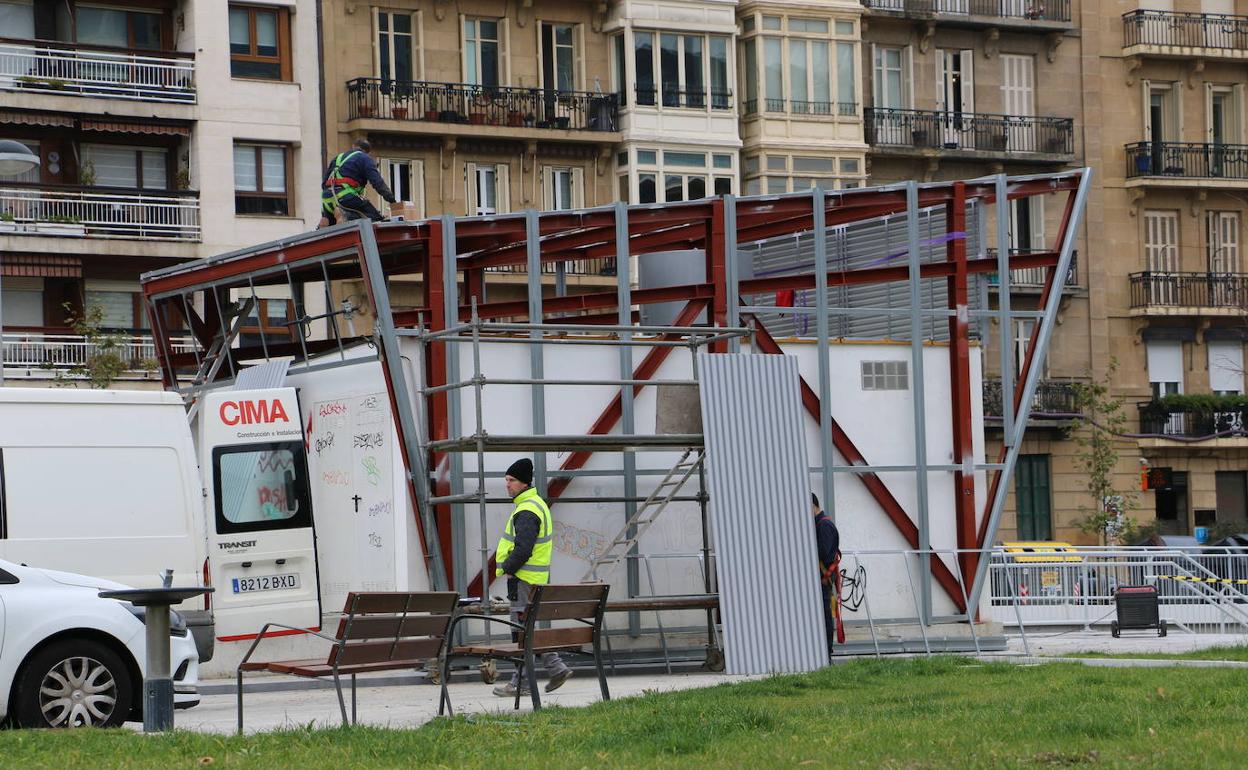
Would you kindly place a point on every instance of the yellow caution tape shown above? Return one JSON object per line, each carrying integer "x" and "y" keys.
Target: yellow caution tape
{"x": 1204, "y": 580}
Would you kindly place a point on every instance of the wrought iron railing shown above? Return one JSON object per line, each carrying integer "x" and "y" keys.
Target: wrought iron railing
{"x": 54, "y": 67}
{"x": 1207, "y": 290}
{"x": 1156, "y": 419}
{"x": 1005, "y": 135}
{"x": 1033, "y": 277}
{"x": 1052, "y": 398}
{"x": 1187, "y": 160}
{"x": 96, "y": 212}
{"x": 45, "y": 353}
{"x": 481, "y": 105}
{"x": 1022, "y": 10}
{"x": 1185, "y": 30}
{"x": 800, "y": 107}
{"x": 696, "y": 98}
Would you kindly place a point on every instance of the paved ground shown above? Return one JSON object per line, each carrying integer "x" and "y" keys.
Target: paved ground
{"x": 407, "y": 706}
{"x": 1071, "y": 643}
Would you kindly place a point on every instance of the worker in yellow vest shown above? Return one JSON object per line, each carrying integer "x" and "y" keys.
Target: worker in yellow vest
{"x": 523, "y": 555}
{"x": 342, "y": 186}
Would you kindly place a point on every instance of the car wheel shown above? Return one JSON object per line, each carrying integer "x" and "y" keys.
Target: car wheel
{"x": 73, "y": 683}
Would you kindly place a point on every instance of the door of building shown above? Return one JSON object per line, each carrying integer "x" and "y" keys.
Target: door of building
{"x": 1032, "y": 498}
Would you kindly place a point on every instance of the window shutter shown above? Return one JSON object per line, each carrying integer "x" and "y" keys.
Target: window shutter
{"x": 1237, "y": 114}
{"x": 463, "y": 50}
{"x": 578, "y": 188}
{"x": 877, "y": 76}
{"x": 1037, "y": 223}
{"x": 1146, "y": 92}
{"x": 968, "y": 80}
{"x": 578, "y": 58}
{"x": 907, "y": 71}
{"x": 941, "y": 87}
{"x": 503, "y": 195}
{"x": 1176, "y": 116}
{"x": 1209, "y": 112}
{"x": 505, "y": 42}
{"x": 376, "y": 41}
{"x": 418, "y": 30}
{"x": 470, "y": 178}
{"x": 548, "y": 189}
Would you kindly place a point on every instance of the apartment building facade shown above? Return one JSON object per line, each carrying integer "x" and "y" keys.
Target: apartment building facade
{"x": 151, "y": 151}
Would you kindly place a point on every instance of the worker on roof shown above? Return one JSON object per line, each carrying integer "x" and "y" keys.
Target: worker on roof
{"x": 343, "y": 185}
{"x": 828, "y": 540}
{"x": 523, "y": 555}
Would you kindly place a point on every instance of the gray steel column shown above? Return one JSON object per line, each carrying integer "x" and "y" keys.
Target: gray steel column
{"x": 624, "y": 294}
{"x": 919, "y": 403}
{"x": 732, "y": 269}
{"x": 455, "y": 406}
{"x": 393, "y": 362}
{"x": 537, "y": 368}
{"x": 1033, "y": 375}
{"x": 1005, "y": 322}
{"x": 818, "y": 201}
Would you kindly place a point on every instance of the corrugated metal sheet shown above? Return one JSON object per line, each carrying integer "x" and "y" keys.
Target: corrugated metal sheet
{"x": 878, "y": 242}
{"x": 765, "y": 554}
{"x": 270, "y": 374}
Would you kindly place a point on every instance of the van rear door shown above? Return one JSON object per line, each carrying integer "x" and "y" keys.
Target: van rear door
{"x": 262, "y": 544}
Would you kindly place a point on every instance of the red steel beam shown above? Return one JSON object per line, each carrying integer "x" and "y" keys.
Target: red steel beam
{"x": 593, "y": 301}
{"x": 606, "y": 421}
{"x": 717, "y": 270}
{"x": 960, "y": 385}
{"x": 435, "y": 375}
{"x": 875, "y": 486}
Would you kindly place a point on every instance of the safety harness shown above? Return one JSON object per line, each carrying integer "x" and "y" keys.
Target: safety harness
{"x": 338, "y": 186}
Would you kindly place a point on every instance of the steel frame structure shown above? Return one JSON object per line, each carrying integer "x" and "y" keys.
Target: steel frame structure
{"x": 452, "y": 256}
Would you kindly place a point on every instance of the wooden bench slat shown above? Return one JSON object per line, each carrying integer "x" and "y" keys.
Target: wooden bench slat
{"x": 511, "y": 650}
{"x": 323, "y": 669}
{"x": 285, "y": 666}
{"x": 392, "y": 626}
{"x": 566, "y": 610}
{"x": 395, "y": 602}
{"x": 561, "y": 637}
{"x": 379, "y": 652}
{"x": 573, "y": 592}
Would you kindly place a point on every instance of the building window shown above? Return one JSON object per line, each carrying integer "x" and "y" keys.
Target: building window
{"x": 111, "y": 165}
{"x": 406, "y": 178}
{"x": 1226, "y": 367}
{"x": 688, "y": 66}
{"x": 483, "y": 52}
{"x": 487, "y": 189}
{"x": 559, "y": 56}
{"x": 564, "y": 188}
{"x": 261, "y": 179}
{"x": 1222, "y": 243}
{"x": 890, "y": 81}
{"x": 120, "y": 28}
{"x": 1032, "y": 498}
{"x": 683, "y": 175}
{"x": 121, "y": 307}
{"x": 259, "y": 42}
{"x": 782, "y": 173}
{"x": 268, "y": 321}
{"x": 807, "y": 72}
{"x": 885, "y": 375}
{"x": 396, "y": 48}
{"x": 1171, "y": 505}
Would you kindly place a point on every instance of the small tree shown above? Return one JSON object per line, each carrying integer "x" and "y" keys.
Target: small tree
{"x": 104, "y": 361}
{"x": 1096, "y": 434}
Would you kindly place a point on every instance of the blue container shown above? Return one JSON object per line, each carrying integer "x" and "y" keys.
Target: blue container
{"x": 1202, "y": 535}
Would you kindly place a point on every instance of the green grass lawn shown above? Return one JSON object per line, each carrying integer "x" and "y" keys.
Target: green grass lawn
{"x": 937, "y": 713}
{"x": 1236, "y": 652}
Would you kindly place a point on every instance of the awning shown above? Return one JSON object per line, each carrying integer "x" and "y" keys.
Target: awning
{"x": 40, "y": 266}
{"x": 13, "y": 117}
{"x": 133, "y": 127}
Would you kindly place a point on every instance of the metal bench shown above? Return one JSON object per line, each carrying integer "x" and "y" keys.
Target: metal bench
{"x": 387, "y": 631}
{"x": 584, "y": 603}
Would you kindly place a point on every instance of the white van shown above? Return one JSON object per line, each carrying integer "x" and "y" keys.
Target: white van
{"x": 108, "y": 483}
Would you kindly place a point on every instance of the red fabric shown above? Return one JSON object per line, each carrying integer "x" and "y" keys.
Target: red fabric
{"x": 786, "y": 298}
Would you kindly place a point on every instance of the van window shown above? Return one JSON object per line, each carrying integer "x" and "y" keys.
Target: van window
{"x": 8, "y": 578}
{"x": 261, "y": 487}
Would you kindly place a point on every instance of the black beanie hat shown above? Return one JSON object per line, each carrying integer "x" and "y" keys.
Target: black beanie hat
{"x": 522, "y": 470}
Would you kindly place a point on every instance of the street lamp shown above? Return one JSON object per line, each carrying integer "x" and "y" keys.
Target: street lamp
{"x": 15, "y": 158}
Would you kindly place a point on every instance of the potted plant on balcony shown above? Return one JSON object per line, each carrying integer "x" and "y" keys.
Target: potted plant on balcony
{"x": 86, "y": 174}
{"x": 433, "y": 112}
{"x": 400, "y": 105}
{"x": 61, "y": 225}
{"x": 8, "y": 223}
{"x": 477, "y": 108}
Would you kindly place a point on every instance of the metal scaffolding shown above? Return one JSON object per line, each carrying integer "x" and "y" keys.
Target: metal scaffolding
{"x": 347, "y": 276}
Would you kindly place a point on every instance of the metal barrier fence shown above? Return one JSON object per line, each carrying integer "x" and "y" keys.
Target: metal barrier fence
{"x": 65, "y": 68}
{"x": 84, "y": 213}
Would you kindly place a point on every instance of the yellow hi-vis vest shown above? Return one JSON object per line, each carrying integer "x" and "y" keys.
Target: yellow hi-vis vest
{"x": 536, "y": 571}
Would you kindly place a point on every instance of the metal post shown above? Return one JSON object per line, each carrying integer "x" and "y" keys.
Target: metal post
{"x": 818, "y": 202}
{"x": 455, "y": 406}
{"x": 919, "y": 404}
{"x": 623, "y": 293}
{"x": 1, "y": 321}
{"x": 732, "y": 269}
{"x": 537, "y": 392}
{"x": 479, "y": 432}
{"x": 1033, "y": 372}
{"x": 158, "y": 684}
{"x": 1004, "y": 319}
{"x": 392, "y": 361}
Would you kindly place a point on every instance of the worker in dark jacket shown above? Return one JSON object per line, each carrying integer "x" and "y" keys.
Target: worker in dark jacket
{"x": 523, "y": 555}
{"x": 828, "y": 540}
{"x": 343, "y": 185}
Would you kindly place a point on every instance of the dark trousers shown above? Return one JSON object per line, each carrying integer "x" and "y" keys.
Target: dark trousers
{"x": 829, "y": 621}
{"x": 353, "y": 206}
{"x": 518, "y": 593}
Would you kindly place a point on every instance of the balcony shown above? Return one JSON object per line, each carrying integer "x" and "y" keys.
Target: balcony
{"x": 1040, "y": 15}
{"x": 1184, "y": 294}
{"x": 94, "y": 212}
{"x": 1167, "y": 34}
{"x": 799, "y": 108}
{"x": 970, "y": 136}
{"x": 1187, "y": 164}
{"x": 459, "y": 109}
{"x": 1191, "y": 417}
{"x": 1054, "y": 400}
{"x": 1031, "y": 279}
{"x": 68, "y": 69}
{"x": 50, "y": 355}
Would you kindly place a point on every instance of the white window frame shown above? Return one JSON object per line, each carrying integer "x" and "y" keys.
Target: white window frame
{"x": 885, "y": 375}
{"x": 474, "y": 173}
{"x": 550, "y": 188}
{"x": 504, "y": 48}
{"x": 905, "y": 70}
{"x": 416, "y": 181}
{"x": 577, "y": 51}
{"x": 418, "y": 40}
{"x": 682, "y": 80}
{"x": 1226, "y": 366}
{"x": 1223, "y": 230}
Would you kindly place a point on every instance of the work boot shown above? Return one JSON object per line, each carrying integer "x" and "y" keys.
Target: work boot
{"x": 508, "y": 690}
{"x": 558, "y": 678}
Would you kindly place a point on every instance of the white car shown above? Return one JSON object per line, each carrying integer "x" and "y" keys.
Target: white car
{"x": 70, "y": 659}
